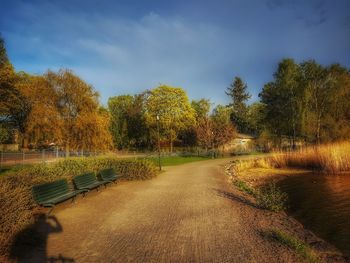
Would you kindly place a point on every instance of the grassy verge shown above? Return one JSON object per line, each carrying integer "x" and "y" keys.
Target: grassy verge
{"x": 303, "y": 249}
{"x": 268, "y": 197}
{"x": 177, "y": 160}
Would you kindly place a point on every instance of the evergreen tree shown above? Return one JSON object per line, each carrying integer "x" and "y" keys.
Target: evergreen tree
{"x": 239, "y": 96}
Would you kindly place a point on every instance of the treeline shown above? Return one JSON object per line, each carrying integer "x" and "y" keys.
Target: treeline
{"x": 309, "y": 101}
{"x": 304, "y": 102}
{"x": 135, "y": 121}
{"x": 59, "y": 108}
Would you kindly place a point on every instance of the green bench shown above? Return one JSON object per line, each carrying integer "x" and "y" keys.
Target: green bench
{"x": 109, "y": 175}
{"x": 50, "y": 194}
{"x": 86, "y": 182}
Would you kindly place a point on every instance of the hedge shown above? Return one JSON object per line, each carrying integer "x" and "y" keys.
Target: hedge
{"x": 17, "y": 205}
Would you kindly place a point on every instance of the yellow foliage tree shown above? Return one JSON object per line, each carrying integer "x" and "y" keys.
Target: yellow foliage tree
{"x": 43, "y": 124}
{"x": 84, "y": 127}
{"x": 174, "y": 111}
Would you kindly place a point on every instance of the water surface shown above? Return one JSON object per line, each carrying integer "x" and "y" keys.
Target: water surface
{"x": 322, "y": 204}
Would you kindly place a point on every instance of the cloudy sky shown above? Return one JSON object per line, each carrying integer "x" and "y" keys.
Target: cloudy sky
{"x": 123, "y": 47}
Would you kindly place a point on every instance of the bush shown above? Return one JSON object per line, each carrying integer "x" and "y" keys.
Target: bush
{"x": 17, "y": 204}
{"x": 271, "y": 197}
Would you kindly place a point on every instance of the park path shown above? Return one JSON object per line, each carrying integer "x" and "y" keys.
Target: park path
{"x": 189, "y": 213}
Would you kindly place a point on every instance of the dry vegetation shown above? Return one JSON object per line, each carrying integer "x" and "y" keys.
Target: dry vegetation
{"x": 328, "y": 158}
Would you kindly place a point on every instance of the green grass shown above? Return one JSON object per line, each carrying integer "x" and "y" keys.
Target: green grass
{"x": 303, "y": 249}
{"x": 177, "y": 160}
{"x": 244, "y": 187}
{"x": 269, "y": 197}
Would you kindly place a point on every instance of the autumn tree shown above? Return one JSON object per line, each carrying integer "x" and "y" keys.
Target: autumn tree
{"x": 223, "y": 129}
{"x": 83, "y": 126}
{"x": 43, "y": 124}
{"x": 14, "y": 108}
{"x": 174, "y": 111}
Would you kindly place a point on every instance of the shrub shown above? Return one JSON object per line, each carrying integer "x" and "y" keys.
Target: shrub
{"x": 17, "y": 205}
{"x": 271, "y": 197}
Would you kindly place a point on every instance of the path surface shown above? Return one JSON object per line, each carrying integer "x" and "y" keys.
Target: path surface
{"x": 187, "y": 214}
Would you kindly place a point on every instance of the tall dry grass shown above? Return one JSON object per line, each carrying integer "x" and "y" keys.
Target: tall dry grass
{"x": 330, "y": 158}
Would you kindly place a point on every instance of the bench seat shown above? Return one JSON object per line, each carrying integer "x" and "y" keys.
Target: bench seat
{"x": 50, "y": 194}
{"x": 86, "y": 182}
{"x": 109, "y": 175}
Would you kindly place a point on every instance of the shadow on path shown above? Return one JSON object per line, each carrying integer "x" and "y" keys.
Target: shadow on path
{"x": 30, "y": 244}
{"x": 234, "y": 197}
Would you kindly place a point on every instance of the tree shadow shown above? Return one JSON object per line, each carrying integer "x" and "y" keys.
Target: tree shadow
{"x": 234, "y": 197}
{"x": 30, "y": 244}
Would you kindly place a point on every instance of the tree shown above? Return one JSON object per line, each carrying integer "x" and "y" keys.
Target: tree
{"x": 128, "y": 126}
{"x": 284, "y": 100}
{"x": 14, "y": 108}
{"x": 119, "y": 107}
{"x": 83, "y": 126}
{"x": 174, "y": 111}
{"x": 201, "y": 107}
{"x": 239, "y": 96}
{"x": 223, "y": 129}
{"x": 205, "y": 133}
{"x": 255, "y": 118}
{"x": 4, "y": 133}
{"x": 327, "y": 101}
{"x": 43, "y": 124}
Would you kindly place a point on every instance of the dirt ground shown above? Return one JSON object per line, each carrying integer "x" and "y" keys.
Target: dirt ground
{"x": 189, "y": 213}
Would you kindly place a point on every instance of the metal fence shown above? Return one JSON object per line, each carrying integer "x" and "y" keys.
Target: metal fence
{"x": 20, "y": 158}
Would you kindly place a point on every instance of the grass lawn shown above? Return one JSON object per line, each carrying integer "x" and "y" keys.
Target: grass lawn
{"x": 177, "y": 160}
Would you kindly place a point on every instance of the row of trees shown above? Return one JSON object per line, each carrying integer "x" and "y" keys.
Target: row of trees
{"x": 305, "y": 101}
{"x": 134, "y": 120}
{"x": 57, "y": 107}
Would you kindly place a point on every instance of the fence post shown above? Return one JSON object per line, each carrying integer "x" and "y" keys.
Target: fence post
{"x": 23, "y": 157}
{"x": 56, "y": 152}
{"x": 43, "y": 155}
{"x": 1, "y": 159}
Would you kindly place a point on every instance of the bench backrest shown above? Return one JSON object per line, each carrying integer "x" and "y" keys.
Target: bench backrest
{"x": 107, "y": 174}
{"x": 44, "y": 192}
{"x": 84, "y": 180}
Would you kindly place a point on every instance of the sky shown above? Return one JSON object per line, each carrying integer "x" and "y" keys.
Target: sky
{"x": 126, "y": 47}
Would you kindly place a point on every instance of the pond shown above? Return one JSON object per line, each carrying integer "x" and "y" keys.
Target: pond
{"x": 322, "y": 204}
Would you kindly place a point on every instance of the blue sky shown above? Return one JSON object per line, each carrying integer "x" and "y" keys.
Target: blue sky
{"x": 125, "y": 47}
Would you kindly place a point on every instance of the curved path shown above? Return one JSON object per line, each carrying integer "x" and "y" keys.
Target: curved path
{"x": 189, "y": 213}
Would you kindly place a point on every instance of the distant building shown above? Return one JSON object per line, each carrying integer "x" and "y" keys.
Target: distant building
{"x": 243, "y": 143}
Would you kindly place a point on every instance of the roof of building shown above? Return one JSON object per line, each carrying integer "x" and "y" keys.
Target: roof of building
{"x": 244, "y": 136}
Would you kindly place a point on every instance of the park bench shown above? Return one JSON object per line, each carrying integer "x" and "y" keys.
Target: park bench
{"x": 86, "y": 182}
{"x": 109, "y": 175}
{"x": 50, "y": 194}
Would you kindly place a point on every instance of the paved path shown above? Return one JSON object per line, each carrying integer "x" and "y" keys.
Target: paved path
{"x": 187, "y": 214}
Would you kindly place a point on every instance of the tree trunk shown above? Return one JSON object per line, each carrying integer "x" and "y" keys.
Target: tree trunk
{"x": 67, "y": 150}
{"x": 171, "y": 144}
{"x": 318, "y": 129}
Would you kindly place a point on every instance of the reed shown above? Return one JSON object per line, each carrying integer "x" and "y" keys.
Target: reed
{"x": 330, "y": 158}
